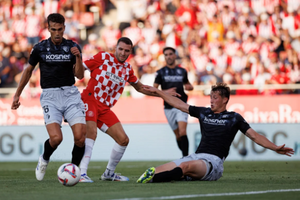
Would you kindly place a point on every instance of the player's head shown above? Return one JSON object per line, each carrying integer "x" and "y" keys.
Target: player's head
{"x": 123, "y": 49}
{"x": 219, "y": 97}
{"x": 170, "y": 55}
{"x": 56, "y": 27}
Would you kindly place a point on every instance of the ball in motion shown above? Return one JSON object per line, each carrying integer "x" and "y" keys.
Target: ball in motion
{"x": 68, "y": 174}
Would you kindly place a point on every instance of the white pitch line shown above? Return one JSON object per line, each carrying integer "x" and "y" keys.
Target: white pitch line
{"x": 213, "y": 195}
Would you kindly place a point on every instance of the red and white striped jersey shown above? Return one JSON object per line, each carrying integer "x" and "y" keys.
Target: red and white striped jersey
{"x": 18, "y": 27}
{"x": 198, "y": 59}
{"x": 33, "y": 26}
{"x": 266, "y": 30}
{"x": 249, "y": 47}
{"x": 230, "y": 48}
{"x": 110, "y": 37}
{"x": 133, "y": 33}
{"x": 210, "y": 9}
{"x": 7, "y": 36}
{"x": 108, "y": 77}
{"x": 238, "y": 63}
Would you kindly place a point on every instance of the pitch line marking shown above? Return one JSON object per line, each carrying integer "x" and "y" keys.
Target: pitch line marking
{"x": 214, "y": 195}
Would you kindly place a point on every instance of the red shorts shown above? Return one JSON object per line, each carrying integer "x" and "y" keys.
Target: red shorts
{"x": 98, "y": 112}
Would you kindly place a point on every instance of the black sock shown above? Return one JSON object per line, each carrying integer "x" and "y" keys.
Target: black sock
{"x": 48, "y": 150}
{"x": 167, "y": 176}
{"x": 179, "y": 143}
{"x": 184, "y": 145}
{"x": 77, "y": 154}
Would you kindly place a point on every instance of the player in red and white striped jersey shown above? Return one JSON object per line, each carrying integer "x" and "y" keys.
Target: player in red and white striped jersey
{"x": 109, "y": 74}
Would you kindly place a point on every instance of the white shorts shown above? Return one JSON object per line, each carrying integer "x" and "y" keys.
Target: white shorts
{"x": 64, "y": 102}
{"x": 216, "y": 164}
{"x": 174, "y": 116}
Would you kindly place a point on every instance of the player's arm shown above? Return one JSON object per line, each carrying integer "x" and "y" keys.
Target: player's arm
{"x": 138, "y": 86}
{"x": 78, "y": 68}
{"x": 188, "y": 86}
{"x": 173, "y": 101}
{"x": 171, "y": 91}
{"x": 263, "y": 141}
{"x": 23, "y": 81}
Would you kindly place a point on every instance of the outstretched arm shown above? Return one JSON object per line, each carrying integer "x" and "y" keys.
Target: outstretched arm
{"x": 263, "y": 141}
{"x": 23, "y": 81}
{"x": 173, "y": 101}
{"x": 140, "y": 88}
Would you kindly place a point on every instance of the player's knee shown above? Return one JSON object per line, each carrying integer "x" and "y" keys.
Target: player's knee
{"x": 124, "y": 141}
{"x": 55, "y": 140}
{"x": 79, "y": 140}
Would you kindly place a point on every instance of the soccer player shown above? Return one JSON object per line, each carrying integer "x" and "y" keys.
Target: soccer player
{"x": 218, "y": 128}
{"x": 109, "y": 74}
{"x": 174, "y": 78}
{"x": 59, "y": 60}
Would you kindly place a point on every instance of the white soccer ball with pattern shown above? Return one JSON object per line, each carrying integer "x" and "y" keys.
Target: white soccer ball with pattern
{"x": 68, "y": 174}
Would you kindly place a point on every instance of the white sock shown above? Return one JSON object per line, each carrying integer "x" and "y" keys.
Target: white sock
{"x": 89, "y": 144}
{"x": 115, "y": 157}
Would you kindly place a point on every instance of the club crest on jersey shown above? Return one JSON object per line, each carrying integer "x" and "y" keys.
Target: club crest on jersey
{"x": 123, "y": 71}
{"x": 65, "y": 48}
{"x": 178, "y": 71}
{"x": 48, "y": 49}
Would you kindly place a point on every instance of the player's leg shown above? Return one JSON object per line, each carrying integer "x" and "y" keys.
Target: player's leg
{"x": 184, "y": 143}
{"x": 117, "y": 132}
{"x": 171, "y": 118}
{"x": 74, "y": 113}
{"x": 91, "y": 135}
{"x": 53, "y": 119}
{"x": 91, "y": 108}
{"x": 181, "y": 119}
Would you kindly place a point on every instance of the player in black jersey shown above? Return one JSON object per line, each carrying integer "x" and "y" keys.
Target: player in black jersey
{"x": 173, "y": 78}
{"x": 59, "y": 61}
{"x": 218, "y": 129}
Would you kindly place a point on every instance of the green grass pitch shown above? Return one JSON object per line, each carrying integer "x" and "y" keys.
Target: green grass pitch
{"x": 241, "y": 180}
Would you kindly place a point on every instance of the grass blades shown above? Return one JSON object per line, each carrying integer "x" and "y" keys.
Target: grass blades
{"x": 241, "y": 180}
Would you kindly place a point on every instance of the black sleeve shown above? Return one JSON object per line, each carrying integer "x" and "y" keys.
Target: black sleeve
{"x": 195, "y": 111}
{"x": 158, "y": 78}
{"x": 185, "y": 77}
{"x": 242, "y": 124}
{"x": 34, "y": 56}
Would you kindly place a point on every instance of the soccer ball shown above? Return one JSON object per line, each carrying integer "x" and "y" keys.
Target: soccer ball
{"x": 68, "y": 174}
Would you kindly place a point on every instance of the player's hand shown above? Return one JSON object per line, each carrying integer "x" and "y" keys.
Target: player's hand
{"x": 75, "y": 51}
{"x": 284, "y": 150}
{"x": 151, "y": 89}
{"x": 172, "y": 91}
{"x": 15, "y": 104}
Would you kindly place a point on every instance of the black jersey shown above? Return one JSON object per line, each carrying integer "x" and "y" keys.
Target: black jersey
{"x": 55, "y": 61}
{"x": 218, "y": 130}
{"x": 169, "y": 78}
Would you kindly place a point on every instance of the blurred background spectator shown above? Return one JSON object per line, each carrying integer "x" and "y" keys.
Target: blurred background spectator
{"x": 243, "y": 42}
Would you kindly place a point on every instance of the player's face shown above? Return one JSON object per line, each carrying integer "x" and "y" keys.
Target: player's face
{"x": 217, "y": 103}
{"x": 56, "y": 31}
{"x": 122, "y": 51}
{"x": 170, "y": 57}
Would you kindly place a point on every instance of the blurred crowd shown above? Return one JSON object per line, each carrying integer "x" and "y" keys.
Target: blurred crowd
{"x": 254, "y": 42}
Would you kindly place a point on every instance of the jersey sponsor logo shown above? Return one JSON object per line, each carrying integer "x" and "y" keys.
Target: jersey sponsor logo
{"x": 173, "y": 78}
{"x": 114, "y": 78}
{"x": 219, "y": 122}
{"x": 58, "y": 58}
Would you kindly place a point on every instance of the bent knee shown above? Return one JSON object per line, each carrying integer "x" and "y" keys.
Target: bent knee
{"x": 124, "y": 141}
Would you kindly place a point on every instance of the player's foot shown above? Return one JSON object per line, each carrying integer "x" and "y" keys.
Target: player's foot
{"x": 114, "y": 177}
{"x": 40, "y": 169}
{"x": 85, "y": 179}
{"x": 147, "y": 175}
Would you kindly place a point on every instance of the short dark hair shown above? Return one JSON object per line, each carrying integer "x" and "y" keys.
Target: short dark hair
{"x": 56, "y": 17}
{"x": 222, "y": 88}
{"x": 126, "y": 40}
{"x": 169, "y": 48}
